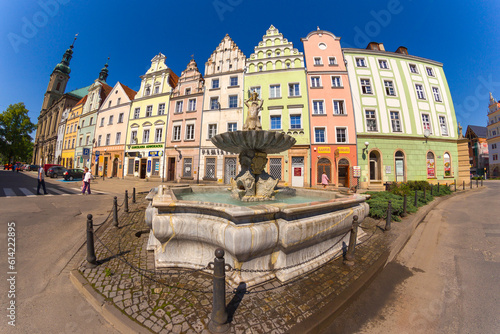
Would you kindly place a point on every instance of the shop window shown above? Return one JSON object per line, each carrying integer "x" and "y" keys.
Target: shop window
{"x": 431, "y": 166}
{"x": 447, "y": 164}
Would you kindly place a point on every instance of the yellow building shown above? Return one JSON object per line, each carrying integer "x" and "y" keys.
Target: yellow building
{"x": 146, "y": 131}
{"x": 69, "y": 141}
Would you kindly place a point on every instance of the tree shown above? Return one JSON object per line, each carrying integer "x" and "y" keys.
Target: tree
{"x": 15, "y": 128}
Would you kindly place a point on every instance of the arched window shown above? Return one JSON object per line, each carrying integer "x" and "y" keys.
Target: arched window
{"x": 447, "y": 164}
{"x": 431, "y": 166}
{"x": 324, "y": 166}
{"x": 399, "y": 163}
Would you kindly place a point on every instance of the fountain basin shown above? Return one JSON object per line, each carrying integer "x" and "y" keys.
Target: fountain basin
{"x": 279, "y": 240}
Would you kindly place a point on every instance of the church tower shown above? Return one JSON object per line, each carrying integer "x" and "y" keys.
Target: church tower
{"x": 58, "y": 79}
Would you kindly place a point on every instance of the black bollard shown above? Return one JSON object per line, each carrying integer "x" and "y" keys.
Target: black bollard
{"x": 455, "y": 184}
{"x": 349, "y": 256}
{"x": 115, "y": 212}
{"x": 416, "y": 198}
{"x": 438, "y": 188}
{"x": 218, "y": 320}
{"x": 389, "y": 217}
{"x": 464, "y": 185}
{"x": 126, "y": 200}
{"x": 91, "y": 258}
{"x": 404, "y": 206}
{"x": 133, "y": 195}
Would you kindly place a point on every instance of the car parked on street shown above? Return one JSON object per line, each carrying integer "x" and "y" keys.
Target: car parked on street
{"x": 33, "y": 168}
{"x": 56, "y": 171}
{"x": 73, "y": 174}
{"x": 46, "y": 168}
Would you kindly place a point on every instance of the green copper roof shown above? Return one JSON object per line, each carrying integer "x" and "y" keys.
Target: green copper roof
{"x": 80, "y": 93}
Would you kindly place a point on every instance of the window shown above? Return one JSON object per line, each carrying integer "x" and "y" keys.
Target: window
{"x": 157, "y": 89}
{"x": 187, "y": 169}
{"x": 437, "y": 95}
{"x": 214, "y": 103}
{"x": 413, "y": 68}
{"x": 315, "y": 81}
{"x": 420, "y": 91}
{"x": 98, "y": 140}
{"x": 145, "y": 136}
{"x": 295, "y": 122}
{"x": 149, "y": 111}
{"x": 431, "y": 166}
{"x": 108, "y": 139}
{"x": 294, "y": 89}
{"x": 87, "y": 140}
{"x": 360, "y": 62}
{"x": 332, "y": 61}
{"x": 102, "y": 121}
{"x": 371, "y": 120}
{"x": 161, "y": 109}
{"x": 395, "y": 121}
{"x": 366, "y": 88}
{"x": 83, "y": 123}
{"x": 276, "y": 122}
{"x": 495, "y": 157}
{"x": 430, "y": 72}
{"x": 133, "y": 135}
{"x": 158, "y": 135}
{"x": 120, "y": 118}
{"x": 137, "y": 112}
{"x": 118, "y": 101}
{"x": 255, "y": 89}
{"x": 275, "y": 168}
{"x": 118, "y": 138}
{"x": 176, "y": 133}
{"x": 338, "y": 107}
{"x": 382, "y": 63}
{"x": 493, "y": 146}
{"x": 443, "y": 126}
{"x": 210, "y": 168}
{"x": 131, "y": 162}
{"x": 109, "y": 104}
{"x": 274, "y": 91}
{"x": 91, "y": 120}
{"x": 215, "y": 83}
{"x": 318, "y": 108}
{"x": 233, "y": 81}
{"x": 336, "y": 81}
{"x": 319, "y": 135}
{"x": 233, "y": 101}
{"x": 426, "y": 123}
{"x": 81, "y": 141}
{"x": 231, "y": 127}
{"x": 148, "y": 91}
{"x": 187, "y": 91}
{"x": 260, "y": 68}
{"x": 178, "y": 106}
{"x": 110, "y": 121}
{"x": 212, "y": 130}
{"x": 341, "y": 135}
{"x": 447, "y": 164}
{"x": 190, "y": 132}
{"x": 389, "y": 88}
{"x": 192, "y": 105}
{"x": 317, "y": 61}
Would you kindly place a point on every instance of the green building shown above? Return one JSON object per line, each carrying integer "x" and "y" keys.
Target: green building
{"x": 405, "y": 119}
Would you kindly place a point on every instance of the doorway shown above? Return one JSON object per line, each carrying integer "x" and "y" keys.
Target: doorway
{"x": 229, "y": 170}
{"x": 105, "y": 167}
{"x": 143, "y": 168}
{"x": 399, "y": 161}
{"x": 343, "y": 173}
{"x": 324, "y": 166}
{"x": 171, "y": 169}
{"x": 115, "y": 168}
{"x": 375, "y": 170}
{"x": 297, "y": 171}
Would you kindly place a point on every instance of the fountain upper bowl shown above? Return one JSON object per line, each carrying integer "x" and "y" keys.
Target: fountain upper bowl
{"x": 257, "y": 140}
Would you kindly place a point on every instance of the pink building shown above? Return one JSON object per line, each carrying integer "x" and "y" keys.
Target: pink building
{"x": 184, "y": 126}
{"x": 333, "y": 134}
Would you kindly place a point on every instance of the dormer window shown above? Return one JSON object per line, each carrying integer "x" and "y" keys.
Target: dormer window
{"x": 188, "y": 91}
{"x": 148, "y": 91}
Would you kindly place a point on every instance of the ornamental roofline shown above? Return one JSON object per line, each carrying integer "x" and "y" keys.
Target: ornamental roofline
{"x": 392, "y": 54}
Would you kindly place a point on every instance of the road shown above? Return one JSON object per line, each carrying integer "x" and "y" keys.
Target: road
{"x": 49, "y": 230}
{"x": 445, "y": 280}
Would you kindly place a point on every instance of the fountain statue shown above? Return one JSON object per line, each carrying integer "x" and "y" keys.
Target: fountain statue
{"x": 253, "y": 144}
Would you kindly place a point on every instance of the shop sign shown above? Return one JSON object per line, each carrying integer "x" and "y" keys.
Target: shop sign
{"x": 135, "y": 147}
{"x": 344, "y": 150}
{"x": 155, "y": 153}
{"x": 149, "y": 166}
{"x": 431, "y": 168}
{"x": 356, "y": 171}
{"x": 297, "y": 171}
{"x": 324, "y": 150}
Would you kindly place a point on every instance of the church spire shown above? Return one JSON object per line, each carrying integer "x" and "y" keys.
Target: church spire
{"x": 63, "y": 66}
{"x": 103, "y": 75}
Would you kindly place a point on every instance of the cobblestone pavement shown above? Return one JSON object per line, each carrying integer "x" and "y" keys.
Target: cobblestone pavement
{"x": 180, "y": 301}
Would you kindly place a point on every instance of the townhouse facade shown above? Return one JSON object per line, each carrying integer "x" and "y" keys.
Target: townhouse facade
{"x": 478, "y": 149}
{"x": 146, "y": 129}
{"x": 222, "y": 109}
{"x": 276, "y": 71}
{"x": 110, "y": 131}
{"x": 405, "y": 119}
{"x": 70, "y": 134}
{"x": 182, "y": 150}
{"x": 333, "y": 133}
{"x": 494, "y": 137}
{"x": 60, "y": 135}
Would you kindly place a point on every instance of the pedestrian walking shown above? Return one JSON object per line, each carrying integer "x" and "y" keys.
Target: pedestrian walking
{"x": 86, "y": 181}
{"x": 324, "y": 180}
{"x": 41, "y": 181}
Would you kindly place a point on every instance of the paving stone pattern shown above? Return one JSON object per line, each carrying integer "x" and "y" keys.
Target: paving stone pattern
{"x": 180, "y": 301}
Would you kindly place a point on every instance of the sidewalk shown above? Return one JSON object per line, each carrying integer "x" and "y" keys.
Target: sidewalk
{"x": 130, "y": 294}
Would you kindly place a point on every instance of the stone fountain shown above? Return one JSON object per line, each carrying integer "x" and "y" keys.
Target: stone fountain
{"x": 263, "y": 241}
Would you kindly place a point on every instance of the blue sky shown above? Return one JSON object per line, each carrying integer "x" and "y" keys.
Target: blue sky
{"x": 463, "y": 35}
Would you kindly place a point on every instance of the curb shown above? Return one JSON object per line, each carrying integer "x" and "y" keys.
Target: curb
{"x": 112, "y": 315}
{"x": 327, "y": 315}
